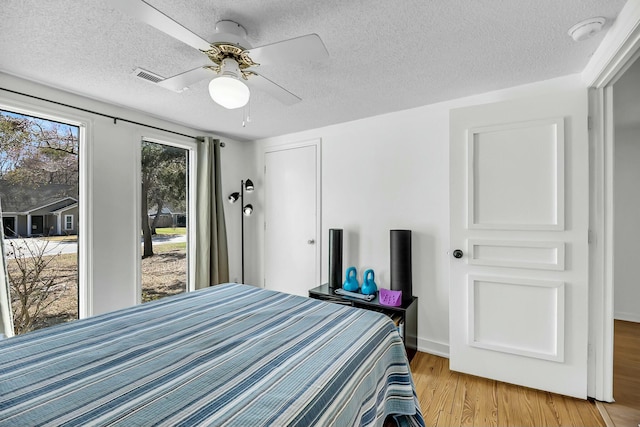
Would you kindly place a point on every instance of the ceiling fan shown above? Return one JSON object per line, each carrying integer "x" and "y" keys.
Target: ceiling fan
{"x": 234, "y": 60}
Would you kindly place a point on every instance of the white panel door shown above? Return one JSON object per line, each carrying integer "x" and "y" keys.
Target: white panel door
{"x": 291, "y": 219}
{"x": 519, "y": 218}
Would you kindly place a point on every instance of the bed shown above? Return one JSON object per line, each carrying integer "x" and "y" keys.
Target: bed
{"x": 231, "y": 355}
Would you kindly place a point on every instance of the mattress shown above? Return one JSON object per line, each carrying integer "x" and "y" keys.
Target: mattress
{"x": 231, "y": 355}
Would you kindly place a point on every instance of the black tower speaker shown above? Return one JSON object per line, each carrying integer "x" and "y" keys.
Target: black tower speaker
{"x": 335, "y": 258}
{"x": 401, "y": 275}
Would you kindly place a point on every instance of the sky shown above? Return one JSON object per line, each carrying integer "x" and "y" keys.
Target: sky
{"x": 63, "y": 129}
{"x": 45, "y": 123}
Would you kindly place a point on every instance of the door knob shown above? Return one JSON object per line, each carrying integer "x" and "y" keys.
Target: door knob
{"x": 311, "y": 241}
{"x": 457, "y": 253}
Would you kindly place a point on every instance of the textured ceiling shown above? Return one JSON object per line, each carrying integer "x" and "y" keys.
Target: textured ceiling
{"x": 384, "y": 56}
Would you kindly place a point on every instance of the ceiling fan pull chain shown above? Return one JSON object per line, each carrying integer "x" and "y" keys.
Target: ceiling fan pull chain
{"x": 246, "y": 114}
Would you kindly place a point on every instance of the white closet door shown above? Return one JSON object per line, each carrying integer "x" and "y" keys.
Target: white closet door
{"x": 292, "y": 246}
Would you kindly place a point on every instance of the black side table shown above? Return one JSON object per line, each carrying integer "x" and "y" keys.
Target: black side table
{"x": 406, "y": 314}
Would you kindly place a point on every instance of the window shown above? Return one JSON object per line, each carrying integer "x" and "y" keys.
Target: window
{"x": 39, "y": 181}
{"x": 68, "y": 222}
{"x": 165, "y": 219}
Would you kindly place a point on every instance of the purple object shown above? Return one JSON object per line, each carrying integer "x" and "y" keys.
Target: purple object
{"x": 390, "y": 298}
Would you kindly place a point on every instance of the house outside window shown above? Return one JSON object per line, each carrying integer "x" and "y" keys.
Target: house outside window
{"x": 68, "y": 222}
{"x": 39, "y": 190}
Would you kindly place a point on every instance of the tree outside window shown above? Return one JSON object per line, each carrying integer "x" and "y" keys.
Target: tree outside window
{"x": 164, "y": 220}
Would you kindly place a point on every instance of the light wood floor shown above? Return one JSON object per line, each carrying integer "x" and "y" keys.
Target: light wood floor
{"x": 452, "y": 399}
{"x": 625, "y": 412}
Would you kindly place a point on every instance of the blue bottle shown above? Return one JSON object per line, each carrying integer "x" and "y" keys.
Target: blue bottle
{"x": 368, "y": 285}
{"x": 351, "y": 284}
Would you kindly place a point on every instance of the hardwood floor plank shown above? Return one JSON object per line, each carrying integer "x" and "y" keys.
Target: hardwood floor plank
{"x": 588, "y": 416}
{"x": 441, "y": 398}
{"x": 573, "y": 404}
{"x": 548, "y": 408}
{"x": 508, "y": 403}
{"x": 527, "y": 405}
{"x": 469, "y": 401}
{"x": 450, "y": 398}
{"x": 452, "y": 410}
{"x": 533, "y": 396}
{"x": 625, "y": 411}
{"x": 561, "y": 410}
{"x": 487, "y": 404}
{"x": 432, "y": 378}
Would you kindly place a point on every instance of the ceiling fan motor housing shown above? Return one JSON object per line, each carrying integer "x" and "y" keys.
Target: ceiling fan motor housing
{"x": 231, "y": 27}
{"x": 230, "y": 43}
{"x": 221, "y": 51}
{"x": 230, "y": 68}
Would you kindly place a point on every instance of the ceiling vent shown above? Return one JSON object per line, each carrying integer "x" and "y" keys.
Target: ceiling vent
{"x": 147, "y": 75}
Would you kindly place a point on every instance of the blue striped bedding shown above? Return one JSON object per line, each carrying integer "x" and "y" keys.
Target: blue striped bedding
{"x": 231, "y": 355}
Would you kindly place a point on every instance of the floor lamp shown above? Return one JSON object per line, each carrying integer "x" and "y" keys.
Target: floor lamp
{"x": 246, "y": 211}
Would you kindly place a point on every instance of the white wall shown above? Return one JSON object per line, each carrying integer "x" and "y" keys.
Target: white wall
{"x": 112, "y": 192}
{"x": 392, "y": 171}
{"x": 379, "y": 173}
{"x": 626, "y": 197}
{"x": 627, "y": 224}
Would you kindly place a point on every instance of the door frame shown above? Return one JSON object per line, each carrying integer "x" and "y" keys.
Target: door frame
{"x": 618, "y": 50}
{"x": 317, "y": 143}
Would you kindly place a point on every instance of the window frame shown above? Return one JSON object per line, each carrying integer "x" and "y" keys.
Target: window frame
{"x": 84, "y": 123}
{"x": 190, "y": 145}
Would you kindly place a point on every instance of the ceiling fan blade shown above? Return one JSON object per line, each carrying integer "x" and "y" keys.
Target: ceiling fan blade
{"x": 182, "y": 81}
{"x": 148, "y": 14}
{"x": 264, "y": 84}
{"x": 309, "y": 47}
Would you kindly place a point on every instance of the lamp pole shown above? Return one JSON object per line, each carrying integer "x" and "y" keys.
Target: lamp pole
{"x": 245, "y": 210}
{"x": 242, "y": 224}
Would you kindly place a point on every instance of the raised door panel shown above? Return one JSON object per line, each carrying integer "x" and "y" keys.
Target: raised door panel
{"x": 516, "y": 176}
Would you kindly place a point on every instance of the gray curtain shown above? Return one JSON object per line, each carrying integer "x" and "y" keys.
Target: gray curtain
{"x": 212, "y": 258}
{"x": 6, "y": 316}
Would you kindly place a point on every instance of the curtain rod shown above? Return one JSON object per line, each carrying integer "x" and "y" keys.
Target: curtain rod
{"x": 115, "y": 119}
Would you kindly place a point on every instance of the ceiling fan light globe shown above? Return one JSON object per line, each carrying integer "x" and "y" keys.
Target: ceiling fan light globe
{"x": 229, "y": 92}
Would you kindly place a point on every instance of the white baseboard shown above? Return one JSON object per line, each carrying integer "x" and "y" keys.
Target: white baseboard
{"x": 433, "y": 347}
{"x": 629, "y": 317}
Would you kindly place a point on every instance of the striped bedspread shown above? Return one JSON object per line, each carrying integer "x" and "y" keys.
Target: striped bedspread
{"x": 228, "y": 355}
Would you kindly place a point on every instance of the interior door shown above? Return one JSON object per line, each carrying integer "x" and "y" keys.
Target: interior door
{"x": 519, "y": 230}
{"x": 292, "y": 221}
